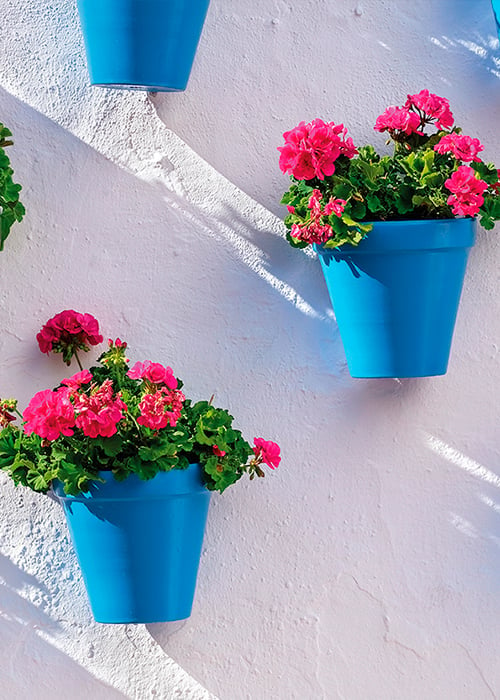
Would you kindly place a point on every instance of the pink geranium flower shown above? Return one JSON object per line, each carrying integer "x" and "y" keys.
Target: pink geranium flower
{"x": 267, "y": 452}
{"x": 49, "y": 414}
{"x": 153, "y": 372}
{"x": 69, "y": 328}
{"x": 316, "y": 229}
{"x": 398, "y": 119}
{"x": 77, "y": 380}
{"x": 464, "y": 181}
{"x": 312, "y": 232}
{"x": 462, "y": 147}
{"x": 335, "y": 206}
{"x": 217, "y": 452}
{"x": 99, "y": 412}
{"x": 161, "y": 409}
{"x": 467, "y": 191}
{"x": 434, "y": 107}
{"x": 311, "y": 149}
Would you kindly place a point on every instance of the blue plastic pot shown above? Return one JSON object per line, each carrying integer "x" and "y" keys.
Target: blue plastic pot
{"x": 396, "y": 295}
{"x": 139, "y": 543}
{"x": 496, "y": 12}
{"x": 141, "y": 44}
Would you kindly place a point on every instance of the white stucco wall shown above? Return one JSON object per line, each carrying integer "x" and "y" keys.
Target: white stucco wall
{"x": 368, "y": 565}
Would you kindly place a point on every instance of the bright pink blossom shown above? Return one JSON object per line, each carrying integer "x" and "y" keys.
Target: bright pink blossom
{"x": 398, "y": 119}
{"x": 49, "y": 414}
{"x": 267, "y": 451}
{"x": 315, "y": 200}
{"x": 464, "y": 181}
{"x": 77, "y": 380}
{"x": 462, "y": 147}
{"x": 434, "y": 107}
{"x": 69, "y": 328}
{"x": 316, "y": 229}
{"x": 153, "y": 372}
{"x": 335, "y": 206}
{"x": 161, "y": 408}
{"x": 99, "y": 412}
{"x": 312, "y": 232}
{"x": 467, "y": 191}
{"x": 217, "y": 452}
{"x": 347, "y": 146}
{"x": 311, "y": 150}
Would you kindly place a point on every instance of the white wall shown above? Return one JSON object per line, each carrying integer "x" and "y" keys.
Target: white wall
{"x": 368, "y": 565}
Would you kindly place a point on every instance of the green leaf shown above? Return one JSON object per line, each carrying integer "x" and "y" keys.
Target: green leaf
{"x": 112, "y": 446}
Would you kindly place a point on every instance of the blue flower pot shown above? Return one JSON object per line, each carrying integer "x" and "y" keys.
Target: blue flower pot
{"x": 396, "y": 295}
{"x": 139, "y": 543}
{"x": 141, "y": 44}
{"x": 496, "y": 12}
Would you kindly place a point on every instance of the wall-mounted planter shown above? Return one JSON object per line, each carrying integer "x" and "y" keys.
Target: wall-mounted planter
{"x": 141, "y": 44}
{"x": 139, "y": 543}
{"x": 496, "y": 12}
{"x": 396, "y": 295}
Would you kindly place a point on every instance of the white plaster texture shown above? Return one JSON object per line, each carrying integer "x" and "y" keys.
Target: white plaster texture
{"x": 368, "y": 565}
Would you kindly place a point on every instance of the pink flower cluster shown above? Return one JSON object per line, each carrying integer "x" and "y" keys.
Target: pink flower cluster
{"x": 267, "y": 452}
{"x": 161, "y": 408}
{"x": 311, "y": 150}
{"x": 467, "y": 191}
{"x": 69, "y": 327}
{"x": 422, "y": 108}
{"x": 315, "y": 230}
{"x": 433, "y": 107}
{"x": 77, "y": 380}
{"x": 398, "y": 119}
{"x": 50, "y": 414}
{"x": 53, "y": 413}
{"x": 462, "y": 147}
{"x": 98, "y": 413}
{"x": 153, "y": 372}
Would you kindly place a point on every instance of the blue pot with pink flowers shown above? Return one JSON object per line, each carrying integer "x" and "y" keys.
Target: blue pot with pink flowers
{"x": 141, "y": 44}
{"x": 396, "y": 295}
{"x": 139, "y": 543}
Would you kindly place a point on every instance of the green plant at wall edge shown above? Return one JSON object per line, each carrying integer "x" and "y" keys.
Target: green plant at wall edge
{"x": 11, "y": 209}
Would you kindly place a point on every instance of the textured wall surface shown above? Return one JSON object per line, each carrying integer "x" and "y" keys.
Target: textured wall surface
{"x": 368, "y": 565}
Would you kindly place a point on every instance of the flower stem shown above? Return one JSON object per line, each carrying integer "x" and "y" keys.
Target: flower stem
{"x": 78, "y": 360}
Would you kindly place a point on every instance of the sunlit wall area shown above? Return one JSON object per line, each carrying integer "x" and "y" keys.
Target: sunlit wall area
{"x": 368, "y": 564}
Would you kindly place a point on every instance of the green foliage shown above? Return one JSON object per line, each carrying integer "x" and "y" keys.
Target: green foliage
{"x": 11, "y": 209}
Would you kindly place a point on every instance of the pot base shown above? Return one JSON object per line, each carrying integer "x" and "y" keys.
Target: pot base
{"x": 147, "y": 88}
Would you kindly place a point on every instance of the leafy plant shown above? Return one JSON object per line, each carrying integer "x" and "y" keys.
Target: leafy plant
{"x": 11, "y": 209}
{"x": 338, "y": 190}
{"x": 112, "y": 418}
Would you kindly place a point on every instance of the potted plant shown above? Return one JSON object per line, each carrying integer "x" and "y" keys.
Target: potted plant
{"x": 392, "y": 231}
{"x": 11, "y": 209}
{"x": 133, "y": 462}
{"x": 141, "y": 44}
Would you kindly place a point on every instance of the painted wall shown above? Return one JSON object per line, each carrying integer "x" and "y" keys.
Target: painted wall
{"x": 368, "y": 565}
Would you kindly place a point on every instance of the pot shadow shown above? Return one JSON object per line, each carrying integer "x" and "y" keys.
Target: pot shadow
{"x": 260, "y": 269}
{"x": 456, "y": 38}
{"x": 32, "y": 666}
